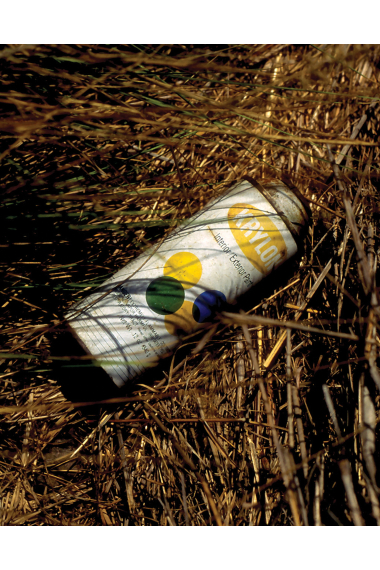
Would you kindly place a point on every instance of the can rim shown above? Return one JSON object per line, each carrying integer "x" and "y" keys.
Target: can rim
{"x": 261, "y": 187}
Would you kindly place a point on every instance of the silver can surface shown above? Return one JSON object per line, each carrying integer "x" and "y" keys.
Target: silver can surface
{"x": 138, "y": 315}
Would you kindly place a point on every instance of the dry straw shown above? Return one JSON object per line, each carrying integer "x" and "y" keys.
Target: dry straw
{"x": 270, "y": 416}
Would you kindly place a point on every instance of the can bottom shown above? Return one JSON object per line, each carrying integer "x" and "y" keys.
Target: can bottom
{"x": 80, "y": 379}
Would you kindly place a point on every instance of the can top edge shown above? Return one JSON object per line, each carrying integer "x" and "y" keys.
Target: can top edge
{"x": 287, "y": 202}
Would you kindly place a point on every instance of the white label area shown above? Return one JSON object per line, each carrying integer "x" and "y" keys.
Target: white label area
{"x": 138, "y": 315}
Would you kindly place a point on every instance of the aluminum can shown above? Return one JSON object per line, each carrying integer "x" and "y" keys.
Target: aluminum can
{"x": 139, "y": 315}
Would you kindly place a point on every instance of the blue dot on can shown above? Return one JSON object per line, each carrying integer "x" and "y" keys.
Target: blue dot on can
{"x": 207, "y": 305}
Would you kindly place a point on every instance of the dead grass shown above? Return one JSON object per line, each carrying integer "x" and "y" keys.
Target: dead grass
{"x": 273, "y": 420}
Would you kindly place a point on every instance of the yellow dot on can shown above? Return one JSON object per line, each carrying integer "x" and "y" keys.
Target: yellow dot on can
{"x": 185, "y": 267}
{"x": 182, "y": 321}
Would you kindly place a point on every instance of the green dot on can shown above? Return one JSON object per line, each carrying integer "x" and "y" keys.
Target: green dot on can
{"x": 165, "y": 295}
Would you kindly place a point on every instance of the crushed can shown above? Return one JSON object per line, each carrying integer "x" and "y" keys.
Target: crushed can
{"x": 139, "y": 315}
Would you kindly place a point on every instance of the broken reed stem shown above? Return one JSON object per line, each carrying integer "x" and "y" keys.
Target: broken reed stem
{"x": 354, "y": 133}
{"x": 188, "y": 461}
{"x": 290, "y": 416}
{"x": 258, "y": 320}
{"x": 345, "y": 469}
{"x": 364, "y": 269}
{"x": 300, "y": 431}
{"x": 192, "y": 420}
{"x": 286, "y": 460}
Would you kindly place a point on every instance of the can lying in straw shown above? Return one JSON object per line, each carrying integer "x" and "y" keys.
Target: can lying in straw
{"x": 138, "y": 315}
